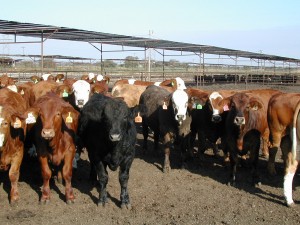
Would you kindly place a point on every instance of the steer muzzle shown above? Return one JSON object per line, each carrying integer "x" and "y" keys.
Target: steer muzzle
{"x": 115, "y": 137}
{"x": 80, "y": 103}
{"x": 48, "y": 133}
{"x": 216, "y": 118}
{"x": 180, "y": 118}
{"x": 239, "y": 120}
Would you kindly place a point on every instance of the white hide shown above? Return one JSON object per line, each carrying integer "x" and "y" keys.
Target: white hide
{"x": 99, "y": 77}
{"x": 45, "y": 76}
{"x": 157, "y": 83}
{"x": 180, "y": 102}
{"x": 180, "y": 84}
{"x": 13, "y": 88}
{"x": 91, "y": 76}
{"x": 81, "y": 91}
{"x": 131, "y": 81}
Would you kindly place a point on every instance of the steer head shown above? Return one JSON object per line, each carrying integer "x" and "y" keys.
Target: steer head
{"x": 10, "y": 123}
{"x": 178, "y": 100}
{"x": 81, "y": 91}
{"x": 214, "y": 100}
{"x": 51, "y": 116}
{"x": 116, "y": 116}
{"x": 241, "y": 106}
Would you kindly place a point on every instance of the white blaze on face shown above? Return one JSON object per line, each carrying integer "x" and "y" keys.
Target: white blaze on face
{"x": 81, "y": 91}
{"x": 212, "y": 97}
{"x": 157, "y": 83}
{"x": 99, "y": 77}
{"x": 91, "y": 76}
{"x": 180, "y": 102}
{"x": 1, "y": 139}
{"x": 180, "y": 84}
{"x": 1, "y": 135}
{"x": 45, "y": 76}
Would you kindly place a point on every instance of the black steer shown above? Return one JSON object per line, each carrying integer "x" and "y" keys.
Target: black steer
{"x": 108, "y": 132}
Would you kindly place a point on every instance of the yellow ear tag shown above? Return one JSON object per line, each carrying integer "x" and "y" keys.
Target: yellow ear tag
{"x": 165, "y": 107}
{"x": 22, "y": 92}
{"x": 138, "y": 118}
{"x": 69, "y": 119}
{"x": 17, "y": 123}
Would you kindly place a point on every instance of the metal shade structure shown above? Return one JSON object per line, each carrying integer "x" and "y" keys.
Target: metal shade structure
{"x": 63, "y": 33}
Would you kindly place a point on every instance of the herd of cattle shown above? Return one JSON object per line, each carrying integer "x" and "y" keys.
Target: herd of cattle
{"x": 55, "y": 118}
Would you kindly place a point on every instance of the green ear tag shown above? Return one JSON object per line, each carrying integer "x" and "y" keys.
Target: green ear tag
{"x": 172, "y": 83}
{"x": 199, "y": 106}
{"x": 65, "y": 94}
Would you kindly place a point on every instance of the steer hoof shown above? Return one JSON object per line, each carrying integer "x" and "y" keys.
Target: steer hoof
{"x": 44, "y": 201}
{"x": 126, "y": 206}
{"x": 167, "y": 169}
{"x": 291, "y": 205}
{"x": 13, "y": 202}
{"x": 70, "y": 201}
{"x": 231, "y": 183}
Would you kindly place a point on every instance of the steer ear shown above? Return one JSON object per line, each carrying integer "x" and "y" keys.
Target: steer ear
{"x": 18, "y": 121}
{"x": 70, "y": 116}
{"x": 224, "y": 104}
{"x": 255, "y": 104}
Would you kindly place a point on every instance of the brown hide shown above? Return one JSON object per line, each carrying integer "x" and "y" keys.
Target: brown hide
{"x": 54, "y": 127}
{"x": 40, "y": 89}
{"x": 130, "y": 93}
{"x": 6, "y": 80}
{"x": 280, "y": 114}
{"x": 13, "y": 107}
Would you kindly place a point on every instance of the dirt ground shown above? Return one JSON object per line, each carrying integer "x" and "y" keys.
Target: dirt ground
{"x": 196, "y": 195}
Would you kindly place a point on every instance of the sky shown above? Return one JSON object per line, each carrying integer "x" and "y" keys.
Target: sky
{"x": 266, "y": 26}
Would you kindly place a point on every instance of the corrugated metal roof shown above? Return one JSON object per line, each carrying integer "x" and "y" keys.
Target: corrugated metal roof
{"x": 70, "y": 34}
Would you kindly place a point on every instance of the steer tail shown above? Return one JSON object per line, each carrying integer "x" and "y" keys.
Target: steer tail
{"x": 294, "y": 131}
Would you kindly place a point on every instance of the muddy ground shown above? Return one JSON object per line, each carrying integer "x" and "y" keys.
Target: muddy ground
{"x": 196, "y": 195}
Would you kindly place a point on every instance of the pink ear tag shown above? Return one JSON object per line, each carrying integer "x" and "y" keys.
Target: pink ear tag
{"x": 226, "y": 108}
{"x": 165, "y": 107}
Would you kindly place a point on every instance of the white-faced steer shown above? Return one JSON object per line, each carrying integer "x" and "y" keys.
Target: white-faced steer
{"x": 168, "y": 116}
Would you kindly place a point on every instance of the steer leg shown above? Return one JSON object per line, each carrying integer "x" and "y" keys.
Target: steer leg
{"x": 14, "y": 174}
{"x": 46, "y": 174}
{"x": 167, "y": 150}
{"x": 290, "y": 170}
{"x": 145, "y": 134}
{"x": 103, "y": 179}
{"x": 233, "y": 166}
{"x": 67, "y": 175}
{"x": 123, "y": 179}
{"x": 252, "y": 144}
{"x": 275, "y": 139}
